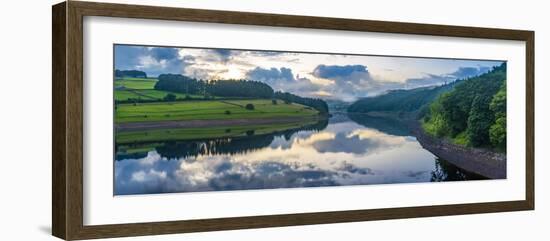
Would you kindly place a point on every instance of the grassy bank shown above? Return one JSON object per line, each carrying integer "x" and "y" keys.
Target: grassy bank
{"x": 203, "y": 133}
{"x": 265, "y": 115}
{"x": 142, "y": 89}
{"x": 128, "y": 90}
{"x": 131, "y": 94}
{"x": 208, "y": 110}
{"x": 136, "y": 83}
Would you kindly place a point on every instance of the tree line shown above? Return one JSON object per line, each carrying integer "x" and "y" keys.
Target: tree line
{"x": 401, "y": 100}
{"x": 232, "y": 88}
{"x": 473, "y": 113}
{"x": 239, "y": 88}
{"x": 315, "y": 103}
{"x": 130, "y": 73}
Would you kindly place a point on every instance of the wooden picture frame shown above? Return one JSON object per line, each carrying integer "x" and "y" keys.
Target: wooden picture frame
{"x": 67, "y": 139}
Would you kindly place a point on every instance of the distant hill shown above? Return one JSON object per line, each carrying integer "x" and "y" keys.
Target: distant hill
{"x": 337, "y": 105}
{"x": 469, "y": 112}
{"x": 400, "y": 100}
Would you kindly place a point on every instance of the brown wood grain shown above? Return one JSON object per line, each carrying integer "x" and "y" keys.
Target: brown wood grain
{"x": 67, "y": 136}
{"x": 58, "y": 121}
{"x": 530, "y": 120}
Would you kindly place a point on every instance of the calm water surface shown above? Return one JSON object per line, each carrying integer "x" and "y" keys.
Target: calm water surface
{"x": 354, "y": 150}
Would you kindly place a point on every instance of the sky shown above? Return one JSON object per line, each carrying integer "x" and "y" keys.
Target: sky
{"x": 328, "y": 76}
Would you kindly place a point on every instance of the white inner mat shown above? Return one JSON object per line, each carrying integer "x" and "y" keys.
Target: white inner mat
{"x": 101, "y": 207}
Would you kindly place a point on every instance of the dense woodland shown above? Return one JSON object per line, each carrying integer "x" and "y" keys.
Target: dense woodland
{"x": 401, "y": 100}
{"x": 473, "y": 113}
{"x": 239, "y": 88}
{"x": 232, "y": 88}
{"x": 130, "y": 73}
{"x": 470, "y": 112}
{"x": 317, "y": 104}
{"x": 179, "y": 84}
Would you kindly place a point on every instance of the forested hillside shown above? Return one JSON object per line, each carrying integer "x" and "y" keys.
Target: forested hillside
{"x": 232, "y": 88}
{"x": 473, "y": 113}
{"x": 400, "y": 100}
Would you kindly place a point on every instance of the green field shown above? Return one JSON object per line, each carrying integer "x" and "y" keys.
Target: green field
{"x": 208, "y": 110}
{"x": 142, "y": 89}
{"x": 147, "y": 95}
{"x": 136, "y": 83}
{"x": 197, "y": 109}
{"x": 201, "y": 133}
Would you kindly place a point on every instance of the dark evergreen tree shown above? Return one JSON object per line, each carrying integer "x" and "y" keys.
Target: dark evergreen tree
{"x": 318, "y": 104}
{"x": 474, "y": 112}
{"x": 130, "y": 73}
{"x": 179, "y": 84}
{"x": 239, "y": 88}
{"x": 169, "y": 97}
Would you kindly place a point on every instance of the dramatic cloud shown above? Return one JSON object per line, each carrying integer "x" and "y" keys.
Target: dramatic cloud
{"x": 329, "y": 76}
{"x": 352, "y": 73}
{"x": 351, "y": 81}
{"x": 165, "y": 54}
{"x": 271, "y": 75}
{"x": 433, "y": 79}
{"x": 154, "y": 61}
{"x": 224, "y": 55}
{"x": 282, "y": 79}
{"x": 127, "y": 57}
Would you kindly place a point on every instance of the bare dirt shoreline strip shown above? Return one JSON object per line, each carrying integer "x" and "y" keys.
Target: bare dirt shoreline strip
{"x": 140, "y": 126}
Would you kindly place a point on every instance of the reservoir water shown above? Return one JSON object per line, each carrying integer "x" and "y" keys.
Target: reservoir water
{"x": 343, "y": 150}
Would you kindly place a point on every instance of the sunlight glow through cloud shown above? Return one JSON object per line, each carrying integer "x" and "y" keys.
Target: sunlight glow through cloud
{"x": 328, "y": 76}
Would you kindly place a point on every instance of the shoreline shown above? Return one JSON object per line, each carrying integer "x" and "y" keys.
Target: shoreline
{"x": 480, "y": 161}
{"x": 483, "y": 162}
{"x": 141, "y": 126}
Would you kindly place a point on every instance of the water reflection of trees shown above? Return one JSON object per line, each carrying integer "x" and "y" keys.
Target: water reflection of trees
{"x": 121, "y": 156}
{"x": 182, "y": 149}
{"x": 445, "y": 171}
{"x": 228, "y": 145}
{"x": 387, "y": 125}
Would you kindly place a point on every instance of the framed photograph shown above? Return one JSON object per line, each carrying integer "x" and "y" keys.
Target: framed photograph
{"x": 170, "y": 120}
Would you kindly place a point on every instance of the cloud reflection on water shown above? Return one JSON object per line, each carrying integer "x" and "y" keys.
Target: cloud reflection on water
{"x": 342, "y": 154}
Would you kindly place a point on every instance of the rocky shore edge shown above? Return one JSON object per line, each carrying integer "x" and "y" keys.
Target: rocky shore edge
{"x": 484, "y": 162}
